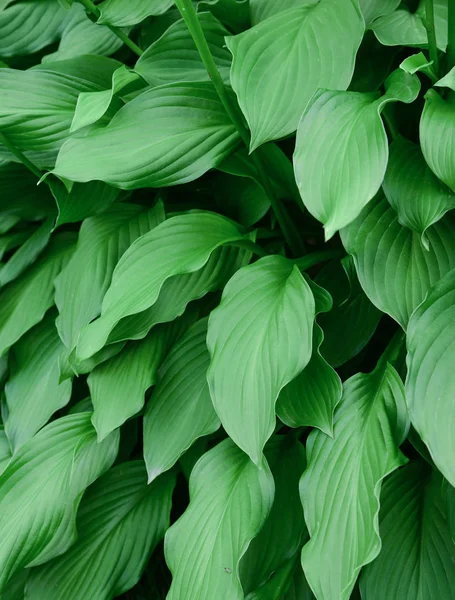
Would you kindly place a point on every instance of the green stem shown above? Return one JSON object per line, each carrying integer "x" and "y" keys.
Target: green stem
{"x": 92, "y": 8}
{"x": 451, "y": 36}
{"x": 19, "y": 155}
{"x": 317, "y": 257}
{"x": 431, "y": 34}
{"x": 390, "y": 122}
{"x": 189, "y": 15}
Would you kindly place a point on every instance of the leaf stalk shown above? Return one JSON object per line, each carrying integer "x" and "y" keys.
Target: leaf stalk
{"x": 431, "y": 34}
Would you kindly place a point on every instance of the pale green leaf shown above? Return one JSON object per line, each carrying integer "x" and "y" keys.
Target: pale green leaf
{"x": 259, "y": 338}
{"x": 260, "y": 10}
{"x": 394, "y": 268}
{"x": 419, "y": 63}
{"x": 430, "y": 381}
{"x": 180, "y": 245}
{"x": 342, "y": 150}
{"x": 5, "y": 450}
{"x": 119, "y": 523}
{"x": 129, "y": 12}
{"x": 232, "y": 13}
{"x": 33, "y": 392}
{"x": 24, "y": 301}
{"x": 284, "y": 530}
{"x": 372, "y": 9}
{"x": 230, "y": 499}
{"x": 437, "y": 136}
{"x": 41, "y": 488}
{"x": 280, "y": 63}
{"x": 28, "y": 26}
{"x": 418, "y": 555}
{"x": 180, "y": 409}
{"x": 174, "y": 56}
{"x": 340, "y": 489}
{"x": 165, "y": 136}
{"x": 419, "y": 198}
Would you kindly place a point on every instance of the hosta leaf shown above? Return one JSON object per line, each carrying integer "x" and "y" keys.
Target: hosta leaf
{"x": 167, "y": 135}
{"x": 260, "y": 10}
{"x": 419, "y": 63}
{"x": 33, "y": 392}
{"x": 20, "y": 196}
{"x": 298, "y": 590}
{"x": 121, "y": 13}
{"x": 259, "y": 338}
{"x": 28, "y": 26}
{"x": 179, "y": 290}
{"x": 232, "y": 13}
{"x": 103, "y": 239}
{"x": 310, "y": 398}
{"x": 284, "y": 530}
{"x": 117, "y": 386}
{"x": 430, "y": 381}
{"x": 340, "y": 489}
{"x": 24, "y": 301}
{"x": 81, "y": 36}
{"x": 27, "y": 253}
{"x": 180, "y": 409}
{"x": 174, "y": 56}
{"x": 404, "y": 28}
{"x": 230, "y": 498}
{"x": 418, "y": 555}
{"x": 393, "y": 267}
{"x": 41, "y": 488}
{"x": 5, "y": 450}
{"x": 342, "y": 150}
{"x": 352, "y": 320}
{"x": 13, "y": 239}
{"x": 372, "y": 9}
{"x": 119, "y": 523}
{"x": 280, "y": 63}
{"x": 419, "y": 198}
{"x": 437, "y": 137}
{"x": 241, "y": 198}
{"x": 180, "y": 245}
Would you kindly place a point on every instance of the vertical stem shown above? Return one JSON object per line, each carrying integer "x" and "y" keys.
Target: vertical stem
{"x": 189, "y": 15}
{"x": 19, "y": 155}
{"x": 92, "y": 8}
{"x": 451, "y": 36}
{"x": 431, "y": 34}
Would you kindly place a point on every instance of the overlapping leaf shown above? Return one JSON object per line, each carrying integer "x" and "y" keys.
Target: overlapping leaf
{"x": 120, "y": 13}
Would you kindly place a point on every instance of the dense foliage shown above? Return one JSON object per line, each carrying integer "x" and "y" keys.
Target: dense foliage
{"x": 227, "y": 311}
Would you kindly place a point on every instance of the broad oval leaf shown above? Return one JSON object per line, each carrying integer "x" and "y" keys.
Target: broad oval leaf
{"x": 167, "y": 135}
{"x": 232, "y": 13}
{"x": 5, "y": 450}
{"x": 121, "y": 13}
{"x": 259, "y": 338}
{"x": 260, "y": 10}
{"x": 180, "y": 245}
{"x": 430, "y": 382}
{"x": 230, "y": 499}
{"x": 33, "y": 391}
{"x": 119, "y": 523}
{"x": 342, "y": 150}
{"x": 417, "y": 555}
{"x": 280, "y": 63}
{"x": 419, "y": 198}
{"x": 372, "y": 9}
{"x": 393, "y": 267}
{"x": 340, "y": 489}
{"x": 180, "y": 409}
{"x": 41, "y": 488}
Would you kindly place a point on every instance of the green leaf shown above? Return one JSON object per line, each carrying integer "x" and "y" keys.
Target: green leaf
{"x": 28, "y": 26}
{"x": 180, "y": 409}
{"x": 24, "y": 301}
{"x": 372, "y": 9}
{"x": 33, "y": 392}
{"x": 437, "y": 137}
{"x": 178, "y": 291}
{"x": 103, "y": 239}
{"x": 419, "y": 63}
{"x": 117, "y": 386}
{"x": 121, "y": 13}
{"x": 417, "y": 556}
{"x": 232, "y": 13}
{"x": 21, "y": 197}
{"x": 284, "y": 530}
{"x": 342, "y": 150}
{"x": 393, "y": 267}
{"x": 259, "y": 338}
{"x": 41, "y": 488}
{"x": 404, "y": 28}
{"x": 340, "y": 489}
{"x": 312, "y": 46}
{"x": 230, "y": 499}
{"x": 174, "y": 56}
{"x": 240, "y": 198}
{"x": 260, "y": 10}
{"x": 5, "y": 450}
{"x": 430, "y": 381}
{"x": 180, "y": 245}
{"x": 419, "y": 198}
{"x": 165, "y": 136}
{"x": 310, "y": 398}
{"x": 353, "y": 319}
{"x": 119, "y": 523}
